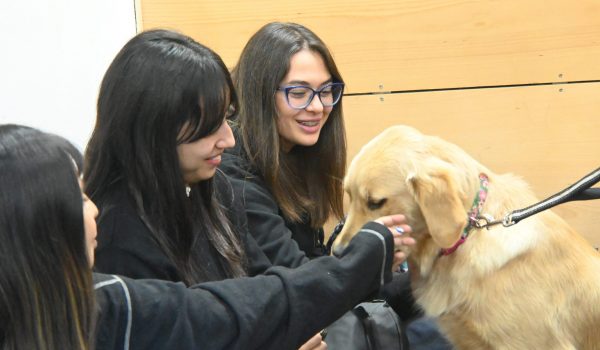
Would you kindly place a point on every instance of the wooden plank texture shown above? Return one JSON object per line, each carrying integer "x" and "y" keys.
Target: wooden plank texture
{"x": 549, "y": 135}
{"x": 417, "y": 44}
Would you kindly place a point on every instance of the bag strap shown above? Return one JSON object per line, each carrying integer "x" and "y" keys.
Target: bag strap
{"x": 367, "y": 323}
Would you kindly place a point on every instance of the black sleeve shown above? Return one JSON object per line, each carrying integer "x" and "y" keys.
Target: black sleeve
{"x": 278, "y": 310}
{"x": 397, "y": 293}
{"x": 265, "y": 222}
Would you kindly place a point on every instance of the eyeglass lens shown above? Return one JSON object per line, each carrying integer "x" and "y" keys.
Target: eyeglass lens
{"x": 301, "y": 96}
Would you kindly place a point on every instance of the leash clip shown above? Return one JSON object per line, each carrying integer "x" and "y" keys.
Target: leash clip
{"x": 485, "y": 221}
{"x": 508, "y": 220}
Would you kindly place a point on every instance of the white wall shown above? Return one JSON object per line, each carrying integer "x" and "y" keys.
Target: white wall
{"x": 53, "y": 54}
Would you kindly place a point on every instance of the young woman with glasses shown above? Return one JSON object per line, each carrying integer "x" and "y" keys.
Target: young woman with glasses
{"x": 51, "y": 300}
{"x": 290, "y": 157}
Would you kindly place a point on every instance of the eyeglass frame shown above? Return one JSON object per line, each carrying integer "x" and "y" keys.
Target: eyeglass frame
{"x": 286, "y": 90}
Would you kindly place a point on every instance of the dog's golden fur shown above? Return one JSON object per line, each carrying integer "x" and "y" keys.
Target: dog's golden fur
{"x": 534, "y": 285}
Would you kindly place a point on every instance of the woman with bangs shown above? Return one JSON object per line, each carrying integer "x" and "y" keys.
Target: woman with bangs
{"x": 160, "y": 131}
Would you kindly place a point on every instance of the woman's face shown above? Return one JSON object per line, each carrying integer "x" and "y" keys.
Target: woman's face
{"x": 302, "y": 126}
{"x": 199, "y": 160}
{"x": 90, "y": 213}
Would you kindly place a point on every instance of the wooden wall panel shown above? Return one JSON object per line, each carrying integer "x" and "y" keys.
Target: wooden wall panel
{"x": 439, "y": 56}
{"x": 416, "y": 44}
{"x": 549, "y": 135}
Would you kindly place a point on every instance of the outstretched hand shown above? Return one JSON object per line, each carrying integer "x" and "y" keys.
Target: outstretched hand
{"x": 398, "y": 227}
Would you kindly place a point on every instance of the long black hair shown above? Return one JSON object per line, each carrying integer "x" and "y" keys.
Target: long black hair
{"x": 307, "y": 181}
{"x": 46, "y": 293}
{"x": 160, "y": 83}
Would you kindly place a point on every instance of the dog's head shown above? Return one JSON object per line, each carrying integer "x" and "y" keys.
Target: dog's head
{"x": 402, "y": 171}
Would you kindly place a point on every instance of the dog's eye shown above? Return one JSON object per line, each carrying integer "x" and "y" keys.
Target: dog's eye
{"x": 376, "y": 204}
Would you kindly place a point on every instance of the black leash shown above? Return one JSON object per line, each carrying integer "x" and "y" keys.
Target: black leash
{"x": 336, "y": 231}
{"x": 578, "y": 191}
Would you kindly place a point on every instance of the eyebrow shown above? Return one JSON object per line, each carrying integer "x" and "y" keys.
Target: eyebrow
{"x": 305, "y": 83}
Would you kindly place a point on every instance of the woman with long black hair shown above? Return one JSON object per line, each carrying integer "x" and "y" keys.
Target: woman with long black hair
{"x": 151, "y": 161}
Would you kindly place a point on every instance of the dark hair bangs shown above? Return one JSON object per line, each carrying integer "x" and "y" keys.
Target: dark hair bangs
{"x": 214, "y": 99}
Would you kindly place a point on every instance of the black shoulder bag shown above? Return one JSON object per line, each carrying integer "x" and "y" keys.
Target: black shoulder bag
{"x": 370, "y": 325}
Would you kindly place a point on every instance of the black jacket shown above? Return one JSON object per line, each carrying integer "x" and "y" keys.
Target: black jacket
{"x": 285, "y": 243}
{"x": 278, "y": 310}
{"x": 126, "y": 247}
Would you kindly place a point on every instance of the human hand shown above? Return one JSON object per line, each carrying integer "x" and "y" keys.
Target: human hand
{"x": 314, "y": 343}
{"x": 398, "y": 227}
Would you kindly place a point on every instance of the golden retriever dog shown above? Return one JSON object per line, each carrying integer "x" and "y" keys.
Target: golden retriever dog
{"x": 534, "y": 285}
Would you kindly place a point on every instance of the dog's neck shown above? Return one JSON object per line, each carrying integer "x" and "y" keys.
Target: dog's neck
{"x": 472, "y": 216}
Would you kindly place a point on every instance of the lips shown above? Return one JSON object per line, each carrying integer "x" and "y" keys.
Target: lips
{"x": 309, "y": 123}
{"x": 214, "y": 160}
{"x": 309, "y": 126}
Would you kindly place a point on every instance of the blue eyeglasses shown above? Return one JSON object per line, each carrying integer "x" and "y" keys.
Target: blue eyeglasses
{"x": 299, "y": 97}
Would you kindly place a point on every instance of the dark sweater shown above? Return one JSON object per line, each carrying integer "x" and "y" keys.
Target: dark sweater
{"x": 278, "y": 310}
{"x": 126, "y": 246}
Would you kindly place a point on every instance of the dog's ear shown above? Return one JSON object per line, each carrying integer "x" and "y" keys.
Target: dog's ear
{"x": 436, "y": 192}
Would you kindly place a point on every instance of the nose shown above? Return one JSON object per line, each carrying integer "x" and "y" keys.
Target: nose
{"x": 315, "y": 105}
{"x": 225, "y": 134}
{"x": 95, "y": 208}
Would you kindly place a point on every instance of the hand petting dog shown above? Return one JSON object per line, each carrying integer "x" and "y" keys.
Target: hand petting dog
{"x": 397, "y": 226}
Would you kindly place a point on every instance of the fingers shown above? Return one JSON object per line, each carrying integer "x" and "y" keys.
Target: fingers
{"x": 399, "y": 258}
{"x": 398, "y": 227}
{"x": 314, "y": 343}
{"x": 400, "y": 241}
{"x": 322, "y": 346}
{"x": 398, "y": 232}
{"x": 392, "y": 220}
